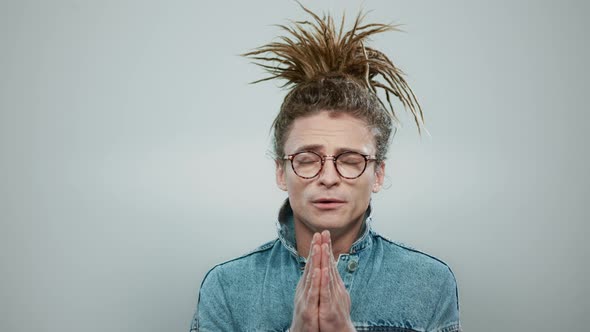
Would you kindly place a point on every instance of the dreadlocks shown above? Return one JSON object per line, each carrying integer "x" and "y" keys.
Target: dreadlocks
{"x": 329, "y": 69}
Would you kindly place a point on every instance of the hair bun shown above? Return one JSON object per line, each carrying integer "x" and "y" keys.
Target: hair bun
{"x": 316, "y": 49}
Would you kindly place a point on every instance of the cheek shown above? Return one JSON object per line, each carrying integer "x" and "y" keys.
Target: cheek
{"x": 368, "y": 182}
{"x": 295, "y": 185}
{"x": 365, "y": 193}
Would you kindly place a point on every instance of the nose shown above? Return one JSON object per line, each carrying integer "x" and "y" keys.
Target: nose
{"x": 329, "y": 175}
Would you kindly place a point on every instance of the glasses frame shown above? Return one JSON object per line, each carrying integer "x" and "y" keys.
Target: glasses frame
{"x": 334, "y": 158}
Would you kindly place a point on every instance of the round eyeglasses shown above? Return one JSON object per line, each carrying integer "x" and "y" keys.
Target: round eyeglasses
{"x": 349, "y": 164}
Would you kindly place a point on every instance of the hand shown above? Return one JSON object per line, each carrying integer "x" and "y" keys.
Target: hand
{"x": 321, "y": 300}
{"x": 307, "y": 293}
{"x": 334, "y": 307}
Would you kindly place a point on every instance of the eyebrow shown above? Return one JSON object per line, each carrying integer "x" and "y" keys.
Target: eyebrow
{"x": 319, "y": 147}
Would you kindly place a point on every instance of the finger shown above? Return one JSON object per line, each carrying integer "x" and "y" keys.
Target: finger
{"x": 337, "y": 284}
{"x": 311, "y": 265}
{"x": 325, "y": 236}
{"x": 325, "y": 256}
{"x": 329, "y": 242}
{"x": 308, "y": 265}
{"x": 333, "y": 272}
{"x": 327, "y": 276}
{"x": 313, "y": 294}
{"x": 317, "y": 257}
{"x": 314, "y": 240}
{"x": 340, "y": 290}
{"x": 341, "y": 282}
{"x": 325, "y": 291}
{"x": 331, "y": 262}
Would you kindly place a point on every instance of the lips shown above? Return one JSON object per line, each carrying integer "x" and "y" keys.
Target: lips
{"x": 328, "y": 203}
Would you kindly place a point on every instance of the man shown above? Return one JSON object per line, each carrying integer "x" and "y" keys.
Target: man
{"x": 328, "y": 270}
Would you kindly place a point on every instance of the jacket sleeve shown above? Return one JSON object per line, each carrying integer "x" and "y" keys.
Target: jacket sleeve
{"x": 446, "y": 315}
{"x": 213, "y": 311}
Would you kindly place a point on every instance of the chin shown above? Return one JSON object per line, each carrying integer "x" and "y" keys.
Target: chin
{"x": 330, "y": 220}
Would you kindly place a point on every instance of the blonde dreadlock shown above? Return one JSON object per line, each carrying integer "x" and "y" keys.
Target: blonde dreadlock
{"x": 333, "y": 70}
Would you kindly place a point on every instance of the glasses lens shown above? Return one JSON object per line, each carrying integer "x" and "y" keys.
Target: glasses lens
{"x": 307, "y": 164}
{"x": 351, "y": 164}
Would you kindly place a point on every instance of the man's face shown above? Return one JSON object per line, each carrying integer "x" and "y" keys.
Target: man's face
{"x": 329, "y": 201}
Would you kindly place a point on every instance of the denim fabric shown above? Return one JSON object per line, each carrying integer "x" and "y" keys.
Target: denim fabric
{"x": 392, "y": 287}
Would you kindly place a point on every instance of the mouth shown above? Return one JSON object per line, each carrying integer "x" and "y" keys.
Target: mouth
{"x": 328, "y": 203}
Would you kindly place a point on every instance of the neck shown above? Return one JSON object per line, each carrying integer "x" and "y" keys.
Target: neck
{"x": 342, "y": 238}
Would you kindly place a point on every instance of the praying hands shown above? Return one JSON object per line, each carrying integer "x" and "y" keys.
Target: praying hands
{"x": 321, "y": 300}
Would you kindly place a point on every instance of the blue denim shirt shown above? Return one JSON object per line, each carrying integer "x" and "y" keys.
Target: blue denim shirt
{"x": 392, "y": 287}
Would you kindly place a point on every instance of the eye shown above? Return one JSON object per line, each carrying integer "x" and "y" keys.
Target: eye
{"x": 306, "y": 158}
{"x": 351, "y": 158}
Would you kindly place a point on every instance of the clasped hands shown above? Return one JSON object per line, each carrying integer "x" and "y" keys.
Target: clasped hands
{"x": 321, "y": 300}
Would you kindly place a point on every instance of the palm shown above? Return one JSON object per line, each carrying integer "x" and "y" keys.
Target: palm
{"x": 321, "y": 300}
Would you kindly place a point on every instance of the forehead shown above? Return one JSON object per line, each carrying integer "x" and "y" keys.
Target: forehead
{"x": 331, "y": 132}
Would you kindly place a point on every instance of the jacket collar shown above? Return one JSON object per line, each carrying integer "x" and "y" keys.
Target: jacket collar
{"x": 286, "y": 231}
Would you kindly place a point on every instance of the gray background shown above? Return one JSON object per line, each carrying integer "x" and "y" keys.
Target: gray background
{"x": 133, "y": 155}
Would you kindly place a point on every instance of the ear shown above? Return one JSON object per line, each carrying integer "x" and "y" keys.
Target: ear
{"x": 379, "y": 177}
{"x": 281, "y": 175}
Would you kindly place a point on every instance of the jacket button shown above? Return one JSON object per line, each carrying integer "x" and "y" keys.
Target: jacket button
{"x": 352, "y": 265}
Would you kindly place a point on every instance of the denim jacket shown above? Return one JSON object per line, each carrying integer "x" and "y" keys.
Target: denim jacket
{"x": 392, "y": 287}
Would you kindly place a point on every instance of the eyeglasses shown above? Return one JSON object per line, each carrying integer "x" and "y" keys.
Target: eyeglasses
{"x": 349, "y": 164}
